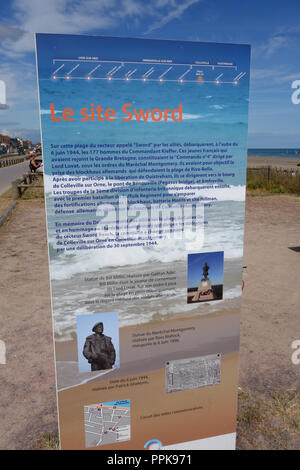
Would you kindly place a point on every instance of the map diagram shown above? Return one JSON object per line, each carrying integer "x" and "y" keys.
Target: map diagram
{"x": 107, "y": 423}
{"x": 147, "y": 70}
{"x": 194, "y": 372}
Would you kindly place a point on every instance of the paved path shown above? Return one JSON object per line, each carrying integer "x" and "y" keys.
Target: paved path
{"x": 27, "y": 383}
{"x": 11, "y": 173}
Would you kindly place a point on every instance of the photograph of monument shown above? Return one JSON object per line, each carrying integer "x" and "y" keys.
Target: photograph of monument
{"x": 205, "y": 277}
{"x": 98, "y": 342}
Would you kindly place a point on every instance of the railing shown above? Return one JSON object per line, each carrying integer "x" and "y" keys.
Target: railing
{"x": 8, "y": 161}
{"x": 267, "y": 171}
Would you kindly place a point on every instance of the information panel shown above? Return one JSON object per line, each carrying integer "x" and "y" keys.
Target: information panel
{"x": 144, "y": 150}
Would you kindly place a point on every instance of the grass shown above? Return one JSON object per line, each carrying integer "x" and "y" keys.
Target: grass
{"x": 33, "y": 193}
{"x": 273, "y": 181}
{"x": 48, "y": 441}
{"x": 269, "y": 421}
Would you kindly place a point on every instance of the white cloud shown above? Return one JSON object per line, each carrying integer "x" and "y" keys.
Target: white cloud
{"x": 177, "y": 9}
{"x": 22, "y": 133}
{"x": 57, "y": 16}
{"x": 272, "y": 45}
{"x": 20, "y": 82}
{"x": 77, "y": 17}
{"x": 275, "y": 43}
{"x": 9, "y": 32}
{"x": 5, "y": 132}
{"x": 288, "y": 29}
{"x": 274, "y": 75}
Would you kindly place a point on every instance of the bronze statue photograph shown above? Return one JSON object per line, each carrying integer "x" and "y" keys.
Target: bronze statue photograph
{"x": 99, "y": 349}
{"x": 205, "y": 271}
{"x": 205, "y": 276}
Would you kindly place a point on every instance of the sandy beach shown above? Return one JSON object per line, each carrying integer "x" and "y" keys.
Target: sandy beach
{"x": 269, "y": 314}
{"x": 274, "y": 162}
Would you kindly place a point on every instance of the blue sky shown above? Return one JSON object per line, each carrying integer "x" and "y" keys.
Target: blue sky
{"x": 272, "y": 28}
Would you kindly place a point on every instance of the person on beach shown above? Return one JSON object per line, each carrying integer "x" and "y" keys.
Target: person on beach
{"x": 99, "y": 349}
{"x": 33, "y": 165}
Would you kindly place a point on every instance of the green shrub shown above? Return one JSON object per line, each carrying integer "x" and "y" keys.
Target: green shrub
{"x": 273, "y": 180}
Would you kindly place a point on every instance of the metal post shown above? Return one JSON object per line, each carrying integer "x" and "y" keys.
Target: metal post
{"x": 15, "y": 190}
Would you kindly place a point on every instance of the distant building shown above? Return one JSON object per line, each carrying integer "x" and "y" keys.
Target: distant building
{"x": 15, "y": 142}
{"x": 27, "y": 144}
{"x": 4, "y": 139}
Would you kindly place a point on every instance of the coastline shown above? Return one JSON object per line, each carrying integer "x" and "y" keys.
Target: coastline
{"x": 273, "y": 162}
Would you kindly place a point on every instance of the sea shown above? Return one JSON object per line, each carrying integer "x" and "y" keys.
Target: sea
{"x": 274, "y": 152}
